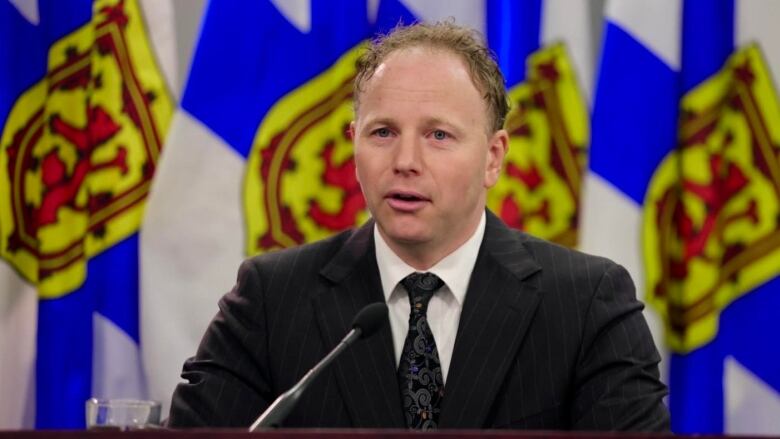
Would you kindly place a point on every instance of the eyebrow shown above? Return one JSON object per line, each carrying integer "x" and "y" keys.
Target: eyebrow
{"x": 438, "y": 121}
{"x": 426, "y": 122}
{"x": 380, "y": 121}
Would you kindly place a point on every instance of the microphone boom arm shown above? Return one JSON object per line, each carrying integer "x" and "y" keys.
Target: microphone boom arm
{"x": 273, "y": 416}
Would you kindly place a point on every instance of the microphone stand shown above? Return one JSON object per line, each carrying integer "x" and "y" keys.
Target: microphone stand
{"x": 273, "y": 416}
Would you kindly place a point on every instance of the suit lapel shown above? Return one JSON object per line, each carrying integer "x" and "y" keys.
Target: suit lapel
{"x": 366, "y": 372}
{"x": 499, "y": 306}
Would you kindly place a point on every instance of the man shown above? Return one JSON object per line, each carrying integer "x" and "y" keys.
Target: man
{"x": 501, "y": 331}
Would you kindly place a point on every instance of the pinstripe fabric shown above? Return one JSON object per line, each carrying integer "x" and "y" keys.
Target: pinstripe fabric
{"x": 548, "y": 338}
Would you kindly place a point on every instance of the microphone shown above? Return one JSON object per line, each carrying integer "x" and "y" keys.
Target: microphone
{"x": 366, "y": 322}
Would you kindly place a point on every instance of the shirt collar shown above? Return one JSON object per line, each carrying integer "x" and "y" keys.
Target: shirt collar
{"x": 455, "y": 269}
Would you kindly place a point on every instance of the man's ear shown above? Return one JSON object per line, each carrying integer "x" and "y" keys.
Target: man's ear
{"x": 497, "y": 148}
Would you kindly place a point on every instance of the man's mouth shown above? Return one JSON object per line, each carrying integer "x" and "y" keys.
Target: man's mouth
{"x": 406, "y": 201}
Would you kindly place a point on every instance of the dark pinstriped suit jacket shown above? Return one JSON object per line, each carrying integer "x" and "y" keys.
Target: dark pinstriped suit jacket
{"x": 549, "y": 338}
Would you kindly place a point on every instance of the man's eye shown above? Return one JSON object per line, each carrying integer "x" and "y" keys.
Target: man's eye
{"x": 439, "y": 135}
{"x": 382, "y": 132}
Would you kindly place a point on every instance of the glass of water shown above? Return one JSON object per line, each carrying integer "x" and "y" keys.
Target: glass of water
{"x": 122, "y": 414}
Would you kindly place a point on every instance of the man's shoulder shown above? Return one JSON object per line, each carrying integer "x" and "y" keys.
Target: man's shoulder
{"x": 505, "y": 242}
{"x": 284, "y": 271}
{"x": 320, "y": 251}
{"x": 565, "y": 273}
{"x": 548, "y": 252}
{"x": 563, "y": 267}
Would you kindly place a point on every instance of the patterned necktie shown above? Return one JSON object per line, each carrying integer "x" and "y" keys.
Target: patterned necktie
{"x": 419, "y": 372}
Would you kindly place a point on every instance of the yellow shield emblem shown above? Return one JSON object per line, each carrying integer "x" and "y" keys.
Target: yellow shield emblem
{"x": 300, "y": 184}
{"x": 711, "y": 230}
{"x": 79, "y": 149}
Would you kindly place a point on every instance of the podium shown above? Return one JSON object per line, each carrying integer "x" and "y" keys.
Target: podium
{"x": 335, "y": 434}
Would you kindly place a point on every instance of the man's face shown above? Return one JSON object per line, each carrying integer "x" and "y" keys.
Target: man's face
{"x": 423, "y": 155}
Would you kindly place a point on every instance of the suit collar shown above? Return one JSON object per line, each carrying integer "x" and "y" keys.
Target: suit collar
{"x": 500, "y": 304}
{"x": 358, "y": 246}
{"x": 366, "y": 373}
{"x": 508, "y": 248}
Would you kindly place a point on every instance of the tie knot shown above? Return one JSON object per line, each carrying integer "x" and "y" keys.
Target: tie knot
{"x": 421, "y": 287}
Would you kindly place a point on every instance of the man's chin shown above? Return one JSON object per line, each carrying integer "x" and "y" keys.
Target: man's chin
{"x": 405, "y": 235}
{"x": 408, "y": 239}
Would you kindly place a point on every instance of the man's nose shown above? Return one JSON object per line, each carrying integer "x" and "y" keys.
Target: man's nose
{"x": 408, "y": 155}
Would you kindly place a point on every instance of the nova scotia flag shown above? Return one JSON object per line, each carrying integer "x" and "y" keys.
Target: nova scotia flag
{"x": 683, "y": 169}
{"x": 83, "y": 114}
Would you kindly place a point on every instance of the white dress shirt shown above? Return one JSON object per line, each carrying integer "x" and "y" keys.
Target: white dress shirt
{"x": 445, "y": 305}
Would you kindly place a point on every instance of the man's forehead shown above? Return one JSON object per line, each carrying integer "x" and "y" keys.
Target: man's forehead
{"x": 421, "y": 62}
{"x": 422, "y": 79}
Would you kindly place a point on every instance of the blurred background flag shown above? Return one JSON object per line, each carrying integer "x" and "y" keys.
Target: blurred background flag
{"x": 84, "y": 112}
{"x": 545, "y": 49}
{"x": 684, "y": 169}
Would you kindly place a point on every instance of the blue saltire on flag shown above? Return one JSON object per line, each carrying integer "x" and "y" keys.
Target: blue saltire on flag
{"x": 635, "y": 125}
{"x": 64, "y": 374}
{"x": 249, "y": 56}
{"x": 635, "y": 113}
{"x": 390, "y": 14}
{"x": 513, "y": 33}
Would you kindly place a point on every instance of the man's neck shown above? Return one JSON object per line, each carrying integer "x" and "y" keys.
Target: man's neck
{"x": 420, "y": 257}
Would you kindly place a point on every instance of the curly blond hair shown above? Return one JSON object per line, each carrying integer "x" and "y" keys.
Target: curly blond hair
{"x": 461, "y": 41}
